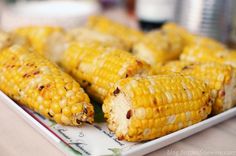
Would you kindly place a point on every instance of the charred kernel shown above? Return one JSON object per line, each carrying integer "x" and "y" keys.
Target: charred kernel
{"x": 85, "y": 110}
{"x": 26, "y": 75}
{"x": 129, "y": 114}
{"x": 185, "y": 67}
{"x": 36, "y": 72}
{"x": 139, "y": 62}
{"x": 221, "y": 93}
{"x": 40, "y": 88}
{"x": 155, "y": 101}
{"x": 117, "y": 91}
{"x": 78, "y": 121}
{"x": 50, "y": 115}
{"x": 203, "y": 92}
{"x": 121, "y": 137}
{"x": 65, "y": 88}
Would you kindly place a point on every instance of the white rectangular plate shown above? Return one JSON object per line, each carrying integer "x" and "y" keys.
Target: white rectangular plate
{"x": 96, "y": 139}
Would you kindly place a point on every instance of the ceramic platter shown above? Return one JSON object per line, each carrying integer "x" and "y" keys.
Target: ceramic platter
{"x": 96, "y": 139}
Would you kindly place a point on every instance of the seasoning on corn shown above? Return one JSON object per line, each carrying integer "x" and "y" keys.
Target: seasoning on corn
{"x": 33, "y": 81}
{"x": 90, "y": 36}
{"x": 159, "y": 46}
{"x": 47, "y": 40}
{"x": 97, "y": 68}
{"x": 219, "y": 77}
{"x": 102, "y": 24}
{"x": 203, "y": 54}
{"x": 144, "y": 108}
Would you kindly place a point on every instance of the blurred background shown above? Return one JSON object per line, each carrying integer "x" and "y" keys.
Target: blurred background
{"x": 213, "y": 18}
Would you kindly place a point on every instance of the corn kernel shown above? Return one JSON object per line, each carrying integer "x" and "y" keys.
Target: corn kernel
{"x": 66, "y": 111}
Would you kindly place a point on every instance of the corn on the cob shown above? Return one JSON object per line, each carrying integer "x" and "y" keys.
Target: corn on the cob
{"x": 143, "y": 108}
{"x": 203, "y": 54}
{"x": 191, "y": 39}
{"x": 7, "y": 39}
{"x": 33, "y": 81}
{"x": 172, "y": 27}
{"x": 220, "y": 79}
{"x": 159, "y": 46}
{"x": 206, "y": 42}
{"x": 128, "y": 35}
{"x": 88, "y": 35}
{"x": 97, "y": 68}
{"x": 46, "y": 40}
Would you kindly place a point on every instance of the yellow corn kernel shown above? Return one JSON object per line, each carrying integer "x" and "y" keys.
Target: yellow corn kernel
{"x": 133, "y": 120}
{"x": 56, "y": 108}
{"x": 92, "y": 36}
{"x": 159, "y": 46}
{"x": 97, "y": 68}
{"x": 36, "y": 88}
{"x": 66, "y": 111}
{"x": 76, "y": 108}
{"x": 128, "y": 35}
{"x": 191, "y": 39}
{"x": 47, "y": 40}
{"x": 7, "y": 39}
{"x": 203, "y": 54}
{"x": 219, "y": 77}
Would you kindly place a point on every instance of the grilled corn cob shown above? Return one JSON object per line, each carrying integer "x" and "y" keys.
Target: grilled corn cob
{"x": 203, "y": 54}
{"x": 172, "y": 27}
{"x": 7, "y": 39}
{"x": 128, "y": 35}
{"x": 97, "y": 68}
{"x": 144, "y": 108}
{"x": 220, "y": 79}
{"x": 33, "y": 81}
{"x": 88, "y": 35}
{"x": 48, "y": 41}
{"x": 191, "y": 39}
{"x": 159, "y": 46}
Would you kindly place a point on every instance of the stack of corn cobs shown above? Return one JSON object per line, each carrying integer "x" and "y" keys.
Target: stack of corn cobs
{"x": 149, "y": 84}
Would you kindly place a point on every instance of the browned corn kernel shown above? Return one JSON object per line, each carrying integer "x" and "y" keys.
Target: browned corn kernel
{"x": 144, "y": 108}
{"x": 97, "y": 68}
{"x": 33, "y": 81}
